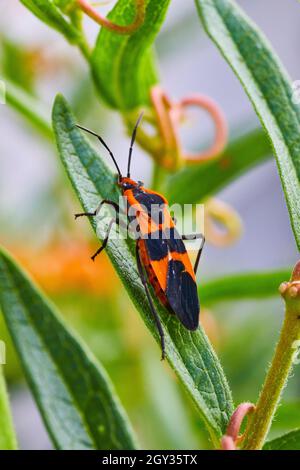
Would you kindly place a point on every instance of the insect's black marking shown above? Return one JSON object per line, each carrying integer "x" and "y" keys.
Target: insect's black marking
{"x": 157, "y": 248}
{"x": 174, "y": 241}
{"x": 153, "y": 203}
{"x": 182, "y": 295}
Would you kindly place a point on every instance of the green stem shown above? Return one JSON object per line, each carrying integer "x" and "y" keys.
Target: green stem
{"x": 8, "y": 439}
{"x": 85, "y": 48}
{"x": 277, "y": 376}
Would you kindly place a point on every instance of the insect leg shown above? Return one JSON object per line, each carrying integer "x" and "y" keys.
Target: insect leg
{"x": 118, "y": 222}
{"x": 96, "y": 212}
{"x": 104, "y": 241}
{"x": 195, "y": 237}
{"x": 152, "y": 308}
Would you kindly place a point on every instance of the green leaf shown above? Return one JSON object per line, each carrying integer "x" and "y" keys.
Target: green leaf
{"x": 29, "y": 107}
{"x": 189, "y": 353}
{"x": 73, "y": 393}
{"x": 242, "y": 153}
{"x": 8, "y": 439}
{"x": 14, "y": 64}
{"x": 243, "y": 286}
{"x": 267, "y": 85}
{"x": 289, "y": 441}
{"x": 49, "y": 13}
{"x": 123, "y": 66}
{"x": 64, "y": 5}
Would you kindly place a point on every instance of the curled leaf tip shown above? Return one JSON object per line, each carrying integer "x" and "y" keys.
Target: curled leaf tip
{"x": 220, "y": 123}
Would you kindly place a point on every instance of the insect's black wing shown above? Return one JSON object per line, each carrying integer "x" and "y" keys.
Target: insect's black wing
{"x": 181, "y": 289}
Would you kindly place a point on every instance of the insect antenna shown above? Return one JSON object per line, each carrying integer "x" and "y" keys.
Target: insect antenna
{"x": 132, "y": 143}
{"x": 104, "y": 145}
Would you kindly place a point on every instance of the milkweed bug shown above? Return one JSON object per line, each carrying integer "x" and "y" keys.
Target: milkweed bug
{"x": 162, "y": 259}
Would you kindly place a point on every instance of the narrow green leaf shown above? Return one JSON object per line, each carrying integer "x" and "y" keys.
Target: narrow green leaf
{"x": 8, "y": 439}
{"x": 49, "y": 13}
{"x": 189, "y": 353}
{"x": 267, "y": 85}
{"x": 73, "y": 393}
{"x": 123, "y": 66}
{"x": 29, "y": 107}
{"x": 289, "y": 441}
{"x": 14, "y": 64}
{"x": 196, "y": 182}
{"x": 64, "y": 5}
{"x": 243, "y": 286}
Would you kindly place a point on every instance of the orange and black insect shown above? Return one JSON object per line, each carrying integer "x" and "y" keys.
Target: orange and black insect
{"x": 162, "y": 259}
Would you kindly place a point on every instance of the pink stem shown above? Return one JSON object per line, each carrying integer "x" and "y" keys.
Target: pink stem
{"x": 221, "y": 131}
{"x": 232, "y": 437}
{"x": 237, "y": 418}
{"x": 90, "y": 11}
{"x": 227, "y": 443}
{"x": 169, "y": 114}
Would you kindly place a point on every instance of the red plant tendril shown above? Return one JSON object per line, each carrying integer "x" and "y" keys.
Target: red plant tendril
{"x": 232, "y": 437}
{"x": 221, "y": 132}
{"x": 139, "y": 19}
{"x": 169, "y": 115}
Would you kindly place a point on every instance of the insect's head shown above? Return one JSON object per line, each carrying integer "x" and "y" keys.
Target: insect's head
{"x": 126, "y": 183}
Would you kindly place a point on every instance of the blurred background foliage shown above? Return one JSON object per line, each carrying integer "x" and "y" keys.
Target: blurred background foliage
{"x": 37, "y": 224}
